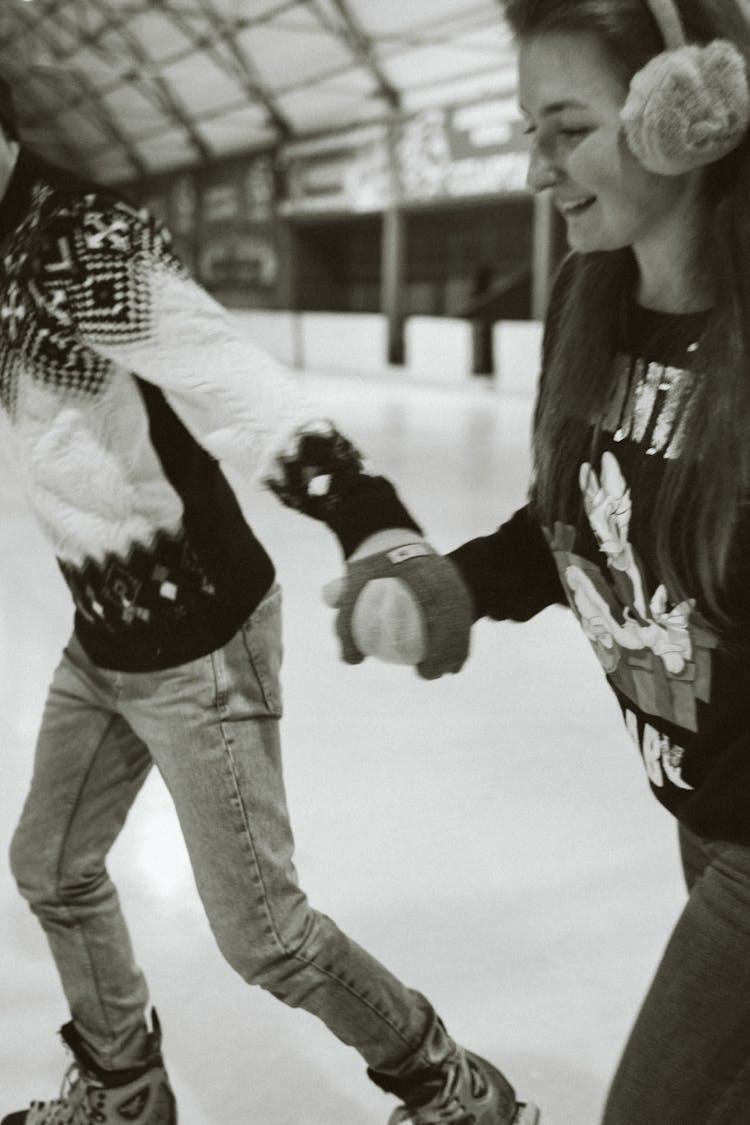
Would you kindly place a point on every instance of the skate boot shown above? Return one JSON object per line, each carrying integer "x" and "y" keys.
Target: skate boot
{"x": 93, "y": 1096}
{"x": 474, "y": 1093}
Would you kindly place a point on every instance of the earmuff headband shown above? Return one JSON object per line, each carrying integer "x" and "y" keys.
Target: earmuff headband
{"x": 668, "y": 21}
{"x": 689, "y": 106}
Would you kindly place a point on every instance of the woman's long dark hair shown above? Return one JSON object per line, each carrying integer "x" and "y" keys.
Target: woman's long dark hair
{"x": 706, "y": 488}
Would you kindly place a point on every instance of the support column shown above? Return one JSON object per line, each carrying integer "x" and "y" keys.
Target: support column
{"x": 393, "y": 257}
{"x": 393, "y": 252}
{"x": 286, "y": 240}
{"x": 288, "y": 283}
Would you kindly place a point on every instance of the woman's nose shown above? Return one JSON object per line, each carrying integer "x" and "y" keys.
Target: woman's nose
{"x": 543, "y": 173}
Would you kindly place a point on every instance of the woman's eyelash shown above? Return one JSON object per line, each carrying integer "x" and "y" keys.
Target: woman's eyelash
{"x": 570, "y": 132}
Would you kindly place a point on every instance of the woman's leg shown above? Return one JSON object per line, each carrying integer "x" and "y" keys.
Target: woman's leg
{"x": 88, "y": 768}
{"x": 212, "y": 727}
{"x": 687, "y": 1061}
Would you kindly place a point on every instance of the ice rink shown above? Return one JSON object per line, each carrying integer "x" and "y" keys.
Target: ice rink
{"x": 489, "y": 836}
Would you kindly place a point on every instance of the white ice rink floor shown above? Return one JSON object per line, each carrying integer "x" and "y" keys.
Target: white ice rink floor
{"x": 489, "y": 836}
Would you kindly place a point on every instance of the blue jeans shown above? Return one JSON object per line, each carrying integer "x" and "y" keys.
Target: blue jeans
{"x": 687, "y": 1061}
{"x": 211, "y": 726}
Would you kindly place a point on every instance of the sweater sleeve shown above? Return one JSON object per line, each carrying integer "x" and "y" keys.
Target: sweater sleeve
{"x": 110, "y": 281}
{"x": 511, "y": 573}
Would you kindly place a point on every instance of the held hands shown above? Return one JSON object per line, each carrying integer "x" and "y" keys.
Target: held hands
{"x": 404, "y": 603}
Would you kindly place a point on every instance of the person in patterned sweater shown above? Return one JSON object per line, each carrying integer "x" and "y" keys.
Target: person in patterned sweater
{"x": 638, "y": 513}
{"x": 123, "y": 389}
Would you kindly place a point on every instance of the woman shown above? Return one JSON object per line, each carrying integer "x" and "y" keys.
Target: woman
{"x": 638, "y": 509}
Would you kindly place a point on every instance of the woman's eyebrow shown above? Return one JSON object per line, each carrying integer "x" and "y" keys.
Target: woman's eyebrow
{"x": 556, "y": 107}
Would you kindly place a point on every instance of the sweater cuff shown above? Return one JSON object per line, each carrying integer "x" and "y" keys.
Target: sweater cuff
{"x": 512, "y": 573}
{"x": 371, "y": 504}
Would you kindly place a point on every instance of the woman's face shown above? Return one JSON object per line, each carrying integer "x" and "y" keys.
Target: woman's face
{"x": 572, "y": 99}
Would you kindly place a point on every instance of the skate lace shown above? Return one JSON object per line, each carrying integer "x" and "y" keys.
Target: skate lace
{"x": 80, "y": 1103}
{"x": 447, "y": 1108}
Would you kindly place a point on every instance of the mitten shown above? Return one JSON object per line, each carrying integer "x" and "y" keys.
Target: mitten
{"x": 386, "y": 622}
{"x": 426, "y": 622}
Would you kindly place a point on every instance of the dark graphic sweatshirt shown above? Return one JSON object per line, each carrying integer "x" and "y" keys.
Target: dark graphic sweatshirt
{"x": 684, "y": 692}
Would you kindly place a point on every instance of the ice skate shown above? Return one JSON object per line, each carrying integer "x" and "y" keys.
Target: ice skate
{"x": 474, "y": 1093}
{"x": 93, "y": 1096}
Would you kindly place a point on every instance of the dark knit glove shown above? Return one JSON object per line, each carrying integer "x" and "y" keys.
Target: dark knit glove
{"x": 406, "y": 605}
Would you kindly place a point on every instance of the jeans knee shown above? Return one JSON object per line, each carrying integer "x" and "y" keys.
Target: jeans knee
{"x": 44, "y": 879}
{"x": 28, "y": 868}
{"x": 279, "y": 952}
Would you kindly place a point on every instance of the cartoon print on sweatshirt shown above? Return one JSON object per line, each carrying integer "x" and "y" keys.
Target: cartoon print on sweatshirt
{"x": 645, "y": 624}
{"x": 655, "y": 653}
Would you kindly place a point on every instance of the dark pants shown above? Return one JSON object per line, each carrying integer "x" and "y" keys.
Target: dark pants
{"x": 687, "y": 1061}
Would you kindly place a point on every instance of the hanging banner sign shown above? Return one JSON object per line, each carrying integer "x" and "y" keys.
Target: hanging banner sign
{"x": 223, "y": 220}
{"x": 237, "y": 209}
{"x": 183, "y": 207}
{"x": 259, "y": 189}
{"x": 239, "y": 259}
{"x": 221, "y": 203}
{"x": 441, "y": 154}
{"x": 344, "y": 172}
{"x": 238, "y": 191}
{"x": 463, "y": 150}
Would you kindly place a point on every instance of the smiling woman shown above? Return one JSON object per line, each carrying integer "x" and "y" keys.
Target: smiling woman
{"x": 574, "y": 100}
{"x": 638, "y": 515}
{"x": 638, "y": 113}
{"x": 674, "y": 243}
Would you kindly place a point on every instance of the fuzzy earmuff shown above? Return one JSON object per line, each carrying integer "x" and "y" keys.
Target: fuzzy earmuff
{"x": 688, "y": 107}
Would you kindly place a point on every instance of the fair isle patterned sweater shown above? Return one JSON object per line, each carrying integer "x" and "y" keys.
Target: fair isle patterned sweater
{"x": 684, "y": 693}
{"x": 123, "y": 387}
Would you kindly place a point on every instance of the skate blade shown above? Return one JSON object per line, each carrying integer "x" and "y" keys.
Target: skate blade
{"x": 526, "y": 1115}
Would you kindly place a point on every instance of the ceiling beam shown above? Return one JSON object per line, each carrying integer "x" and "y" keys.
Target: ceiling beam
{"x": 139, "y": 70}
{"x": 153, "y": 83}
{"x": 360, "y": 44}
{"x": 239, "y": 66}
{"x": 219, "y": 32}
{"x": 90, "y": 94}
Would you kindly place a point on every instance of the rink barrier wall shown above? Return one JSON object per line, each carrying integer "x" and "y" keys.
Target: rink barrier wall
{"x": 343, "y": 341}
{"x": 517, "y": 351}
{"x": 277, "y": 332}
{"x": 437, "y": 348}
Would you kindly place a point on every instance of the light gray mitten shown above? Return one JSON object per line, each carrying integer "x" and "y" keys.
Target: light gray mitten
{"x": 407, "y": 605}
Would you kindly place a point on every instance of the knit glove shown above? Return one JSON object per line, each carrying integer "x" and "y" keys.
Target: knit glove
{"x": 405, "y": 604}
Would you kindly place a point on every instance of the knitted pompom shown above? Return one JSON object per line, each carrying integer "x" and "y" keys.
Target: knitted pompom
{"x": 687, "y": 107}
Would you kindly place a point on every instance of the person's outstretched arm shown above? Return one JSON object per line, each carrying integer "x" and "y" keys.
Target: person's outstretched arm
{"x": 511, "y": 573}
{"x": 110, "y": 283}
